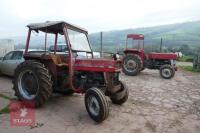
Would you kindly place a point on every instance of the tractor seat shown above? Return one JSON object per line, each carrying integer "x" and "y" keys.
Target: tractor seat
{"x": 57, "y": 60}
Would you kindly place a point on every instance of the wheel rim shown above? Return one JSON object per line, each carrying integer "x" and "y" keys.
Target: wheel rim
{"x": 93, "y": 105}
{"x": 28, "y": 84}
{"x": 130, "y": 65}
{"x": 166, "y": 72}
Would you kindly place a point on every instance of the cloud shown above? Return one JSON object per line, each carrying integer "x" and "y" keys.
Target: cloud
{"x": 95, "y": 15}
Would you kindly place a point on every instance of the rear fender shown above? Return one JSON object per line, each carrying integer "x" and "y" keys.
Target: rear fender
{"x": 139, "y": 52}
{"x": 111, "y": 80}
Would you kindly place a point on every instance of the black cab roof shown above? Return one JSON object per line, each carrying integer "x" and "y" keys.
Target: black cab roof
{"x": 54, "y": 27}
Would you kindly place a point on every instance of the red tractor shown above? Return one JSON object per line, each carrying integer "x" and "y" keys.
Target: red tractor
{"x": 73, "y": 71}
{"x": 135, "y": 60}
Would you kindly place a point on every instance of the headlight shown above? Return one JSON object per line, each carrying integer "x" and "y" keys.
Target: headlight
{"x": 116, "y": 56}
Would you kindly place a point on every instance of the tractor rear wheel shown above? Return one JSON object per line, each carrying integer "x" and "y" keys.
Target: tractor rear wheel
{"x": 120, "y": 96}
{"x": 132, "y": 64}
{"x": 32, "y": 82}
{"x": 96, "y": 104}
{"x": 167, "y": 71}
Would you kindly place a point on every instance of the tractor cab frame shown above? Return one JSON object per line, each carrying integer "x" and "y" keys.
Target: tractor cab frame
{"x": 135, "y": 38}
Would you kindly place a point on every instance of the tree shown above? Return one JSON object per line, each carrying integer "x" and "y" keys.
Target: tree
{"x": 186, "y": 50}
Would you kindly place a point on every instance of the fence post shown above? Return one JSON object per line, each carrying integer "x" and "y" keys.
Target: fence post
{"x": 161, "y": 43}
{"x": 101, "y": 39}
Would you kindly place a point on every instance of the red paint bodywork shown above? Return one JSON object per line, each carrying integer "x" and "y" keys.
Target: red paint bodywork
{"x": 97, "y": 65}
{"x": 162, "y": 56}
{"x": 136, "y": 36}
{"x": 139, "y": 52}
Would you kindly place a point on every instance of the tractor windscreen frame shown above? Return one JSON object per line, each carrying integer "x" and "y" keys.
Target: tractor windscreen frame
{"x": 78, "y": 40}
{"x": 57, "y": 27}
{"x": 138, "y": 38}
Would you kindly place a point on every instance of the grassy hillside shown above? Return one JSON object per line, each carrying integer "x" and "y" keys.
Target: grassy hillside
{"x": 183, "y": 37}
{"x": 173, "y": 35}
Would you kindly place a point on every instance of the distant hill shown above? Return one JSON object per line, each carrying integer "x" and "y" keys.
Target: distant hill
{"x": 173, "y": 35}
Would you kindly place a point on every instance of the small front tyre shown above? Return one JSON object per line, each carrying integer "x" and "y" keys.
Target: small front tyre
{"x": 167, "y": 71}
{"x": 96, "y": 104}
{"x": 120, "y": 96}
{"x": 142, "y": 69}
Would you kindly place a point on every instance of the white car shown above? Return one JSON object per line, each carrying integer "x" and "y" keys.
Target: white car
{"x": 10, "y": 61}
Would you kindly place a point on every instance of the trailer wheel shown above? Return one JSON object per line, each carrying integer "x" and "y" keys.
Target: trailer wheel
{"x": 121, "y": 96}
{"x": 132, "y": 64}
{"x": 167, "y": 71}
{"x": 32, "y": 82}
{"x": 96, "y": 104}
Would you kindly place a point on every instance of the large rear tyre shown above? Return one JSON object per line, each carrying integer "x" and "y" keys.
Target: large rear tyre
{"x": 120, "y": 96}
{"x": 132, "y": 64}
{"x": 96, "y": 104}
{"x": 32, "y": 82}
{"x": 167, "y": 71}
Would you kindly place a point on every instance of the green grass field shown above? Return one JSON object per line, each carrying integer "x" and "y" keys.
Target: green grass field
{"x": 190, "y": 69}
{"x": 5, "y": 110}
{"x": 186, "y": 59}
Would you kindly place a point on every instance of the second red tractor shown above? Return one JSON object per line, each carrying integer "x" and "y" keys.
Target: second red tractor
{"x": 135, "y": 60}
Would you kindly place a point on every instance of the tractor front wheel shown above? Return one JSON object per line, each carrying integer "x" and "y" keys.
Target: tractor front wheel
{"x": 96, "y": 104}
{"x": 132, "y": 64}
{"x": 167, "y": 71}
{"x": 120, "y": 96}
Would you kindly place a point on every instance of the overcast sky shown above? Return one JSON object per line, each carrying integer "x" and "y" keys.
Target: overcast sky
{"x": 95, "y": 15}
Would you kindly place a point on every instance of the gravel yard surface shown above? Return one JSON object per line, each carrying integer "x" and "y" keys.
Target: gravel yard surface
{"x": 155, "y": 105}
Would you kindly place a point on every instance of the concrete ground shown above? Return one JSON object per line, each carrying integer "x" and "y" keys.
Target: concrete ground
{"x": 155, "y": 105}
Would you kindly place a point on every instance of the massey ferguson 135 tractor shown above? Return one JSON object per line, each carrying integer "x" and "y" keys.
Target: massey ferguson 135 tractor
{"x": 135, "y": 60}
{"x": 45, "y": 72}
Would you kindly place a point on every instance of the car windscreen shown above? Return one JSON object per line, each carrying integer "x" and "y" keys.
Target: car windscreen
{"x": 60, "y": 48}
{"x": 78, "y": 41}
{"x": 17, "y": 55}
